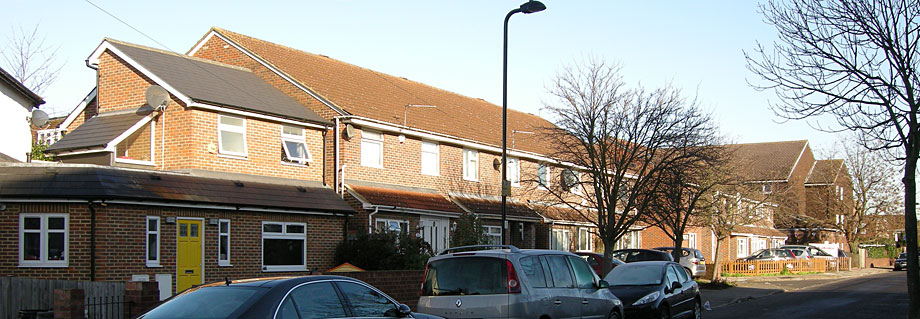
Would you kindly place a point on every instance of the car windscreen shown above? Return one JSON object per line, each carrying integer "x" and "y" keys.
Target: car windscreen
{"x": 207, "y": 303}
{"x": 632, "y": 275}
{"x": 466, "y": 276}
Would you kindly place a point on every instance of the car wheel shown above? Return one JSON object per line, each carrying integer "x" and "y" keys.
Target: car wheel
{"x": 896, "y": 268}
{"x": 664, "y": 311}
{"x": 614, "y": 314}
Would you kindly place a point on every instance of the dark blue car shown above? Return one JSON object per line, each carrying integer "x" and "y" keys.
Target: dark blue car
{"x": 655, "y": 289}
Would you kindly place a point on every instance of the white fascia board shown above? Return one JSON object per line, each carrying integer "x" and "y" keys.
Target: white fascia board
{"x": 254, "y": 115}
{"x": 743, "y": 234}
{"x": 511, "y": 218}
{"x": 93, "y": 62}
{"x": 79, "y": 109}
{"x": 571, "y": 223}
{"x": 270, "y": 67}
{"x": 425, "y": 212}
{"x": 111, "y": 145}
{"x": 89, "y": 151}
{"x": 216, "y": 207}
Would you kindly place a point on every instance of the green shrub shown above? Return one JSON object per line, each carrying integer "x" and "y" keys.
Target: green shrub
{"x": 468, "y": 232}
{"x": 384, "y": 250}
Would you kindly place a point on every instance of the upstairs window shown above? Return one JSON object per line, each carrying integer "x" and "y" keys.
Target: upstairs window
{"x": 543, "y": 176}
{"x": 232, "y": 135}
{"x": 292, "y": 142}
{"x": 514, "y": 171}
{"x": 430, "y": 158}
{"x": 372, "y": 149}
{"x": 43, "y": 240}
{"x": 470, "y": 165}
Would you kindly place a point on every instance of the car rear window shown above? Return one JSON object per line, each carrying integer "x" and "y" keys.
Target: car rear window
{"x": 466, "y": 276}
{"x": 221, "y": 301}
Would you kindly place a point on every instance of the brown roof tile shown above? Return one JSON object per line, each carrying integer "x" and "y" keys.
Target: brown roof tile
{"x": 384, "y": 97}
{"x": 493, "y": 207}
{"x": 825, "y": 172}
{"x": 565, "y": 214}
{"x": 759, "y": 231}
{"x": 772, "y": 161}
{"x": 405, "y": 199}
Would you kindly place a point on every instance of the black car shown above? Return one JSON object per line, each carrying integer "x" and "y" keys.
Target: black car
{"x": 282, "y": 298}
{"x": 900, "y": 262}
{"x": 635, "y": 254}
{"x": 655, "y": 289}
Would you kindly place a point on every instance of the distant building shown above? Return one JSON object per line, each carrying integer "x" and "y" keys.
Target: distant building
{"x": 16, "y": 104}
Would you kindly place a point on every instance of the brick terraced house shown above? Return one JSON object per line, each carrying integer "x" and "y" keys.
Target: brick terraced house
{"x": 224, "y": 180}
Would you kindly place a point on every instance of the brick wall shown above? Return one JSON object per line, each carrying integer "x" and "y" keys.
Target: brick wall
{"x": 121, "y": 242}
{"x": 402, "y": 285}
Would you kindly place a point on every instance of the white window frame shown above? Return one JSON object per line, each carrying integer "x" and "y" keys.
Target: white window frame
{"x": 584, "y": 234}
{"x": 368, "y": 138}
{"x": 283, "y": 235}
{"x": 632, "y": 239}
{"x": 220, "y": 234}
{"x": 147, "y": 261}
{"x": 233, "y": 129}
{"x": 300, "y": 139}
{"x": 743, "y": 250}
{"x": 43, "y": 232}
{"x": 492, "y": 232}
{"x": 387, "y": 223}
{"x": 433, "y": 165}
{"x": 566, "y": 239}
{"x": 691, "y": 240}
{"x": 470, "y": 165}
{"x": 521, "y": 230}
{"x": 767, "y": 188}
{"x": 51, "y": 135}
{"x": 514, "y": 171}
{"x": 543, "y": 179}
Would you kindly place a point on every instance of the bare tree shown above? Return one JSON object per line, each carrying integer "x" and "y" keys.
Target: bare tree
{"x": 856, "y": 60}
{"x": 618, "y": 141}
{"x": 875, "y": 192}
{"x": 30, "y": 60}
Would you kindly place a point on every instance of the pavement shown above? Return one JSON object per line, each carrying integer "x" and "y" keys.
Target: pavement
{"x": 750, "y": 288}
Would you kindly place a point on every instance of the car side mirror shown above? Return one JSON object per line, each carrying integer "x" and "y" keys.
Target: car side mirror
{"x": 603, "y": 284}
{"x": 675, "y": 285}
{"x": 404, "y": 310}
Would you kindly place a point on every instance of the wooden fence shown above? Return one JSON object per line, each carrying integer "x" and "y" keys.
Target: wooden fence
{"x": 757, "y": 267}
{"x": 32, "y": 294}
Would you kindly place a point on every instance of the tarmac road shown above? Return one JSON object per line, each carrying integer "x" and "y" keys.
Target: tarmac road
{"x": 875, "y": 296}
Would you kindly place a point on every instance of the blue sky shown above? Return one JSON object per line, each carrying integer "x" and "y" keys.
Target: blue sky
{"x": 694, "y": 45}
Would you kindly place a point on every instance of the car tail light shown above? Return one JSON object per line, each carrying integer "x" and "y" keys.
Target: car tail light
{"x": 514, "y": 286}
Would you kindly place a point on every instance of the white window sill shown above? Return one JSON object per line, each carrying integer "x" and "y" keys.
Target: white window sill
{"x": 42, "y": 265}
{"x": 283, "y": 268}
{"x": 296, "y": 164}
{"x": 154, "y": 265}
{"x": 133, "y": 161}
{"x": 233, "y": 156}
{"x": 224, "y": 264}
{"x": 470, "y": 180}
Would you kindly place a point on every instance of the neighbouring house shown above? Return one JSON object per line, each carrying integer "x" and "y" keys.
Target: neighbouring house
{"x": 16, "y": 105}
{"x": 397, "y": 137}
{"x": 829, "y": 198}
{"x": 225, "y": 180}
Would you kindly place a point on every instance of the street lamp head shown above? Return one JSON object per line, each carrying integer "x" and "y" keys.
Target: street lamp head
{"x": 532, "y": 6}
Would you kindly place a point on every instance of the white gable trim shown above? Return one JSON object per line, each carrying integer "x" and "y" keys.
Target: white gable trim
{"x": 802, "y": 153}
{"x": 93, "y": 62}
{"x": 79, "y": 109}
{"x": 110, "y": 146}
{"x": 270, "y": 67}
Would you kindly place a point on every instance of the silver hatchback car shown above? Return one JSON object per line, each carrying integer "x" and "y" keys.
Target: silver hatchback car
{"x": 514, "y": 283}
{"x": 691, "y": 258}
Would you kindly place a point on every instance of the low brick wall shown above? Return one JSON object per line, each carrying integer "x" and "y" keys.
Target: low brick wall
{"x": 402, "y": 285}
{"x": 879, "y": 262}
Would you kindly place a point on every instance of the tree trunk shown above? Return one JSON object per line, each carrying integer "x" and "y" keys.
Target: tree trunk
{"x": 607, "y": 263}
{"x": 910, "y": 231}
{"x": 716, "y": 262}
{"x": 678, "y": 249}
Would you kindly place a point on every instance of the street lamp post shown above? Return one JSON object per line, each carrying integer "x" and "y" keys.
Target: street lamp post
{"x": 528, "y": 7}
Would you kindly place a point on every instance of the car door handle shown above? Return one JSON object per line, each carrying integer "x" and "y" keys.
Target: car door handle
{"x": 558, "y": 302}
{"x": 584, "y": 302}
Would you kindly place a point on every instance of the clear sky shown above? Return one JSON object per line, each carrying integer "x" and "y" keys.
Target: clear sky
{"x": 454, "y": 45}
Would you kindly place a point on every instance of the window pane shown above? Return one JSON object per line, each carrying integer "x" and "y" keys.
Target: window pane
{"x": 232, "y": 142}
{"x": 183, "y": 230}
{"x": 317, "y": 300}
{"x": 290, "y": 130}
{"x": 226, "y": 120}
{"x": 222, "y": 301}
{"x": 55, "y": 246}
{"x": 224, "y": 249}
{"x": 466, "y": 276}
{"x": 559, "y": 268}
{"x": 295, "y": 149}
{"x": 272, "y": 228}
{"x": 194, "y": 230}
{"x": 295, "y": 229}
{"x": 531, "y": 268}
{"x": 370, "y": 153}
{"x": 366, "y": 302}
{"x": 151, "y": 247}
{"x": 541, "y": 175}
{"x": 55, "y": 222}
{"x": 152, "y": 225}
{"x": 31, "y": 246}
{"x": 282, "y": 252}
{"x": 371, "y": 135}
{"x": 32, "y": 223}
{"x": 584, "y": 276}
{"x": 224, "y": 227}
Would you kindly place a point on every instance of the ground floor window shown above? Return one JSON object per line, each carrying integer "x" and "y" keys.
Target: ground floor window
{"x": 43, "y": 240}
{"x": 398, "y": 226}
{"x": 153, "y": 241}
{"x": 283, "y": 246}
{"x": 758, "y": 244}
{"x": 777, "y": 243}
{"x": 742, "y": 247}
{"x": 493, "y": 234}
{"x": 559, "y": 239}
{"x": 584, "y": 239}
{"x": 223, "y": 252}
{"x": 690, "y": 240}
{"x": 629, "y": 240}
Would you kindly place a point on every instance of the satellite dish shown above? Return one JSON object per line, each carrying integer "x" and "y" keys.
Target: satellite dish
{"x": 39, "y": 118}
{"x": 349, "y": 130}
{"x": 156, "y": 96}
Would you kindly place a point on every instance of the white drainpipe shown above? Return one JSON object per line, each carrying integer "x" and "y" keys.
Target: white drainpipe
{"x": 370, "y": 220}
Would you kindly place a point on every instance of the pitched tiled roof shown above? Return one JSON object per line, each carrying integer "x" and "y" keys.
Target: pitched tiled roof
{"x": 773, "y": 161}
{"x": 21, "y": 89}
{"x": 367, "y": 93}
{"x": 213, "y": 83}
{"x": 564, "y": 214}
{"x": 825, "y": 172}
{"x": 758, "y": 231}
{"x": 100, "y": 130}
{"x": 401, "y": 198}
{"x": 7, "y": 159}
{"x": 492, "y": 207}
{"x": 92, "y": 182}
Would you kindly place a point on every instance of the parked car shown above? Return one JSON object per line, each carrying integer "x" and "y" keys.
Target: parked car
{"x": 635, "y": 254}
{"x": 508, "y": 282}
{"x": 655, "y": 289}
{"x": 900, "y": 262}
{"x": 692, "y": 259}
{"x": 594, "y": 260}
{"x": 282, "y": 298}
{"x": 771, "y": 254}
{"x": 807, "y": 251}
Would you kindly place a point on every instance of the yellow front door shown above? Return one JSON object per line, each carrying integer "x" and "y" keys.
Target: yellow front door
{"x": 188, "y": 254}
